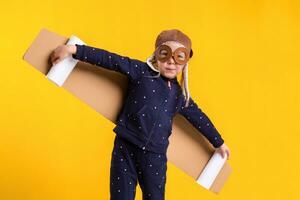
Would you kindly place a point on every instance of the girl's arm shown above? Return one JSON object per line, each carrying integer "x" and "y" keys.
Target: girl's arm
{"x": 132, "y": 68}
{"x": 201, "y": 122}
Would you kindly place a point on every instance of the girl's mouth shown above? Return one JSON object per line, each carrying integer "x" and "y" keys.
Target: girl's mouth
{"x": 169, "y": 69}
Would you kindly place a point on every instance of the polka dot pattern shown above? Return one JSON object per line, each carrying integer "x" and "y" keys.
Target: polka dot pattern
{"x": 162, "y": 96}
{"x": 146, "y": 168}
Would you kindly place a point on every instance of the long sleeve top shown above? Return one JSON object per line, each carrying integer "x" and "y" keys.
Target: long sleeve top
{"x": 150, "y": 105}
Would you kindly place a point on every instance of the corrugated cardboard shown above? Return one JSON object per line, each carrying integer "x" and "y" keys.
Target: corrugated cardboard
{"x": 188, "y": 150}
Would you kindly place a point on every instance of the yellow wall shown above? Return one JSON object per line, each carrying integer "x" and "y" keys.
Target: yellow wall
{"x": 244, "y": 75}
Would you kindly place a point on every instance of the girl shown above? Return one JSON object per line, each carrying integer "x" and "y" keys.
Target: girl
{"x": 145, "y": 121}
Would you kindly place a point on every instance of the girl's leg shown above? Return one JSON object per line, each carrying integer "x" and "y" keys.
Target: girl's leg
{"x": 123, "y": 177}
{"x": 152, "y": 175}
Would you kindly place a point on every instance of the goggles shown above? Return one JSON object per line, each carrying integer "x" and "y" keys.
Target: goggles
{"x": 164, "y": 53}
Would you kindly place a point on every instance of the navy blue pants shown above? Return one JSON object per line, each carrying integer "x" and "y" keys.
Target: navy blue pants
{"x": 131, "y": 164}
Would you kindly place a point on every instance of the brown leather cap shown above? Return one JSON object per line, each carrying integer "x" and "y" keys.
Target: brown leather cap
{"x": 174, "y": 35}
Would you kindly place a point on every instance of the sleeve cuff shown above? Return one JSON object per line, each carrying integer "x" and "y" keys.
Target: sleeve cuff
{"x": 218, "y": 143}
{"x": 79, "y": 51}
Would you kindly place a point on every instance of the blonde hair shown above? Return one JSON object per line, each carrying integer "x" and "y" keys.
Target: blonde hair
{"x": 151, "y": 61}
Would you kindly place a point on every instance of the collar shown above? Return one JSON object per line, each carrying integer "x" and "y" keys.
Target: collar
{"x": 169, "y": 79}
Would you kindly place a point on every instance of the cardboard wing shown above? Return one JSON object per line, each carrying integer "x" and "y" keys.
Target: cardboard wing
{"x": 104, "y": 90}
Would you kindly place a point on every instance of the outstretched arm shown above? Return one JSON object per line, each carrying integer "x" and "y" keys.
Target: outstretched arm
{"x": 201, "y": 122}
{"x": 132, "y": 68}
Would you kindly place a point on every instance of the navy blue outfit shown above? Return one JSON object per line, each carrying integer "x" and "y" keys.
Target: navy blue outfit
{"x": 144, "y": 124}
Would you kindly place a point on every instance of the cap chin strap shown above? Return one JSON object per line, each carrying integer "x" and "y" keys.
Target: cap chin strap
{"x": 185, "y": 88}
{"x": 149, "y": 61}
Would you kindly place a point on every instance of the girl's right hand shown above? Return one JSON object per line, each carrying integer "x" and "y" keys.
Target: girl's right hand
{"x": 61, "y": 52}
{"x": 223, "y": 149}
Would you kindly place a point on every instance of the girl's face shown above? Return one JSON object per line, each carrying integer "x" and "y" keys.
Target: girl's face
{"x": 170, "y": 68}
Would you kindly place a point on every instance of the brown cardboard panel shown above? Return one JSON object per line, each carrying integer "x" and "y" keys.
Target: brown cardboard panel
{"x": 188, "y": 150}
{"x": 104, "y": 90}
{"x": 221, "y": 178}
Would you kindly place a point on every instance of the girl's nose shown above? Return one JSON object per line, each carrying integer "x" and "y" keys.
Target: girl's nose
{"x": 171, "y": 60}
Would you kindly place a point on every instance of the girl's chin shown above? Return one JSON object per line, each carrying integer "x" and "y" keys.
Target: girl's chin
{"x": 170, "y": 74}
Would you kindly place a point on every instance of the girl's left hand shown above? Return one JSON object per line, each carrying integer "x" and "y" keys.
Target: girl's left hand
{"x": 223, "y": 149}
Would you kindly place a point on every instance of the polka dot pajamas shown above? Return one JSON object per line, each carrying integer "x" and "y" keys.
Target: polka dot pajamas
{"x": 131, "y": 165}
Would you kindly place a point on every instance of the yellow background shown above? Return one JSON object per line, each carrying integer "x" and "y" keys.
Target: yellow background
{"x": 244, "y": 75}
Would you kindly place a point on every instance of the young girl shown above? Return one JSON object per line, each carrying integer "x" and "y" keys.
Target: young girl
{"x": 145, "y": 121}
